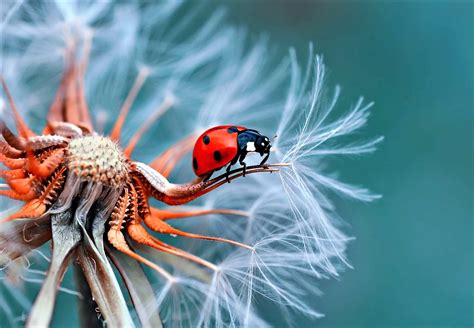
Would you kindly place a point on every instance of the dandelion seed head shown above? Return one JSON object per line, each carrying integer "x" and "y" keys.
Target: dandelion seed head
{"x": 99, "y": 159}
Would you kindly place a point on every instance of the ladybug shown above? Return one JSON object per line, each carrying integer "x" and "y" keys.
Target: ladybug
{"x": 227, "y": 144}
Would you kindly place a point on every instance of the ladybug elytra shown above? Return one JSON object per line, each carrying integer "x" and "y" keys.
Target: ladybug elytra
{"x": 227, "y": 144}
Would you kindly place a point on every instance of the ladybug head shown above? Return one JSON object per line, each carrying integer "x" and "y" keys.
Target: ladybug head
{"x": 262, "y": 145}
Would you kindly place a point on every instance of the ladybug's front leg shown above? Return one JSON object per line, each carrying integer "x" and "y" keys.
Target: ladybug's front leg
{"x": 264, "y": 160}
{"x": 227, "y": 172}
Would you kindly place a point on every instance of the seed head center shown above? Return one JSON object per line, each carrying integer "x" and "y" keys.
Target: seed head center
{"x": 98, "y": 159}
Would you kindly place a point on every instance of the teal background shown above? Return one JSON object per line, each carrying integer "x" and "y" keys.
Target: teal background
{"x": 413, "y": 253}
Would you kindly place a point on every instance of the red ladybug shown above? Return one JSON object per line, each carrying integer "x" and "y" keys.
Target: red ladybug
{"x": 227, "y": 144}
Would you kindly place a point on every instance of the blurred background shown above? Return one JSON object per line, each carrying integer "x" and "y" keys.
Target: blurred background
{"x": 413, "y": 253}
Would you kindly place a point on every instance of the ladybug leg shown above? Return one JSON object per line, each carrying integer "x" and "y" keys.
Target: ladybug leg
{"x": 227, "y": 170}
{"x": 241, "y": 161}
{"x": 265, "y": 159}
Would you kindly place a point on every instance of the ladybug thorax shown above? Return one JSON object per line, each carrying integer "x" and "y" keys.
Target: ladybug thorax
{"x": 98, "y": 159}
{"x": 252, "y": 141}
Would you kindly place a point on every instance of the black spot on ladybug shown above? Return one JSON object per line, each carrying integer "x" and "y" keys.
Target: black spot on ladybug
{"x": 217, "y": 155}
{"x": 195, "y": 163}
{"x": 206, "y": 140}
{"x": 232, "y": 129}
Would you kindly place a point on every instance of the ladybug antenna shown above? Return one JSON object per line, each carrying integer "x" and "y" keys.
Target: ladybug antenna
{"x": 274, "y": 137}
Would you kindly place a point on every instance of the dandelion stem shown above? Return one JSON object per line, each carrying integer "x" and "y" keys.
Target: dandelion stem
{"x": 65, "y": 240}
{"x": 141, "y": 293}
{"x": 86, "y": 304}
